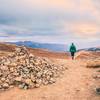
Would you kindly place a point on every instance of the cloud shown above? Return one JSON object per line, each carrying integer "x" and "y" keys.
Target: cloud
{"x": 85, "y": 29}
{"x": 3, "y": 34}
{"x": 55, "y": 20}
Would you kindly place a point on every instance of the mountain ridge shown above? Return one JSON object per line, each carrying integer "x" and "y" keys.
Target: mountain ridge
{"x": 48, "y": 46}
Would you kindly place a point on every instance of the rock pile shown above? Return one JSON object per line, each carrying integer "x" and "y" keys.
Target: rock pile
{"x": 26, "y": 71}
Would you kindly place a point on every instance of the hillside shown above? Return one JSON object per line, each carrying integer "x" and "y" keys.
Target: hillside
{"x": 6, "y": 48}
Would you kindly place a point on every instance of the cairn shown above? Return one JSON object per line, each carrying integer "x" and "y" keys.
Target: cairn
{"x": 24, "y": 70}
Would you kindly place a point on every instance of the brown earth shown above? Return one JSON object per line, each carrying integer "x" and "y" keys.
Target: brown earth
{"x": 7, "y": 48}
{"x": 77, "y": 83}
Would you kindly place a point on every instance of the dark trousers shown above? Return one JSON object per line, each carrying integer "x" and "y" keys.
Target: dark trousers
{"x": 72, "y": 54}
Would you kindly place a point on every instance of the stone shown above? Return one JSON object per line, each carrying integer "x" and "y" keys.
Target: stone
{"x": 3, "y": 79}
{"x": 0, "y": 86}
{"x": 28, "y": 81}
{"x": 25, "y": 87}
{"x": 1, "y": 73}
{"x": 18, "y": 79}
{"x": 11, "y": 69}
{"x": 32, "y": 78}
{"x": 37, "y": 85}
{"x": 11, "y": 86}
{"x": 39, "y": 81}
{"x": 4, "y": 67}
{"x": 5, "y": 85}
{"x": 15, "y": 74}
{"x": 98, "y": 91}
{"x": 52, "y": 80}
{"x": 45, "y": 82}
{"x": 21, "y": 86}
{"x": 39, "y": 74}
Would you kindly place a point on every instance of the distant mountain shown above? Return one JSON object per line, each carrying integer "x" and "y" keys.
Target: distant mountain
{"x": 91, "y": 49}
{"x": 94, "y": 49}
{"x": 48, "y": 46}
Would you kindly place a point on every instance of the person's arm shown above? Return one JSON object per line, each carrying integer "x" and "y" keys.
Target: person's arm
{"x": 75, "y": 48}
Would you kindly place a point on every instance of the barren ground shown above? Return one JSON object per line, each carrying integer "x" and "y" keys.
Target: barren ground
{"x": 77, "y": 83}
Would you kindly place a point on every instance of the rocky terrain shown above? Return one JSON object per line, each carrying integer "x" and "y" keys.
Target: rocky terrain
{"x": 29, "y": 68}
{"x": 25, "y": 70}
{"x": 95, "y": 64}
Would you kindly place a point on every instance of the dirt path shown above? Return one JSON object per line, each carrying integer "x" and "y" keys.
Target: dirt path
{"x": 76, "y": 84}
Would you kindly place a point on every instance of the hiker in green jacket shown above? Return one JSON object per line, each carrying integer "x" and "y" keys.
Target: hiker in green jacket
{"x": 72, "y": 50}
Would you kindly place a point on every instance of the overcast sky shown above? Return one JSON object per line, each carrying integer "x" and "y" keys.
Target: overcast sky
{"x": 51, "y": 21}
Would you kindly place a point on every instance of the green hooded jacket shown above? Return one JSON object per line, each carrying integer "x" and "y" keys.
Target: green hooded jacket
{"x": 72, "y": 48}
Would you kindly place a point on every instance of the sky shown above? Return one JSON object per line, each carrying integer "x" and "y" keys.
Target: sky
{"x": 51, "y": 21}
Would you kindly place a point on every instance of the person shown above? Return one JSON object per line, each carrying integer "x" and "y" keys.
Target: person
{"x": 72, "y": 50}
